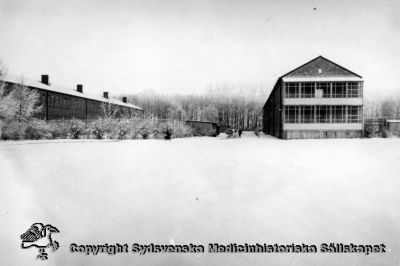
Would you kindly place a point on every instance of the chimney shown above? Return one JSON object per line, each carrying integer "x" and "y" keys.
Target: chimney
{"x": 79, "y": 88}
{"x": 45, "y": 79}
{"x": 124, "y": 99}
{"x": 105, "y": 94}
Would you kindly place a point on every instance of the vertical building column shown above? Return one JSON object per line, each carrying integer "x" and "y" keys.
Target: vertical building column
{"x": 347, "y": 88}
{"x": 86, "y": 109}
{"x": 315, "y": 114}
{"x": 47, "y": 105}
{"x": 299, "y": 116}
{"x": 330, "y": 89}
{"x": 345, "y": 113}
{"x": 299, "y": 89}
{"x": 315, "y": 89}
{"x": 330, "y": 114}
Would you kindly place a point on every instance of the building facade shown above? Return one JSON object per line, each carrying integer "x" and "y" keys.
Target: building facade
{"x": 319, "y": 99}
{"x": 65, "y": 103}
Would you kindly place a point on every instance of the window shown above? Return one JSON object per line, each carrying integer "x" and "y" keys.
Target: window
{"x": 323, "y": 90}
{"x": 307, "y": 90}
{"x": 339, "y": 90}
{"x": 338, "y": 114}
{"x": 354, "y": 114}
{"x": 292, "y": 114}
{"x": 322, "y": 114}
{"x": 292, "y": 90}
{"x": 306, "y": 114}
{"x": 353, "y": 90}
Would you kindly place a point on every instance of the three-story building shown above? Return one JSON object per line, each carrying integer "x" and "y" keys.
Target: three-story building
{"x": 319, "y": 99}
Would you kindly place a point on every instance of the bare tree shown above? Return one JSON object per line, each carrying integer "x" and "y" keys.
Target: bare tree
{"x": 2, "y": 73}
{"x": 3, "y": 68}
{"x": 388, "y": 108}
{"x": 236, "y": 104}
{"x": 108, "y": 110}
{"x": 18, "y": 107}
{"x": 4, "y": 99}
{"x": 25, "y": 102}
{"x": 397, "y": 107}
{"x": 210, "y": 113}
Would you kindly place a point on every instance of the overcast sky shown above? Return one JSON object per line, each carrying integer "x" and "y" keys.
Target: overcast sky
{"x": 181, "y": 46}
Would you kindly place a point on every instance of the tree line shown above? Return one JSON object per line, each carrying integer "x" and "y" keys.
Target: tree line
{"x": 233, "y": 104}
{"x": 384, "y": 107}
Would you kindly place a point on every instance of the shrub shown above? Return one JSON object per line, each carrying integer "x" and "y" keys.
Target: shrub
{"x": 76, "y": 128}
{"x": 182, "y": 131}
{"x": 146, "y": 128}
{"x": 123, "y": 128}
{"x": 101, "y": 128}
{"x": 160, "y": 130}
{"x": 386, "y": 133}
{"x": 14, "y": 130}
{"x": 65, "y": 129}
{"x": 20, "y": 130}
{"x": 134, "y": 132}
{"x": 58, "y": 129}
{"x": 38, "y": 129}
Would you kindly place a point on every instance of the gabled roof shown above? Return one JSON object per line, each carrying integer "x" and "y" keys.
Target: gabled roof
{"x": 60, "y": 89}
{"x": 320, "y": 67}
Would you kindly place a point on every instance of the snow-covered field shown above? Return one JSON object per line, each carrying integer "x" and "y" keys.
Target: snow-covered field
{"x": 202, "y": 190}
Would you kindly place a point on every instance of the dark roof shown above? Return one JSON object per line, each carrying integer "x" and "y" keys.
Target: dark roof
{"x": 327, "y": 67}
{"x": 195, "y": 121}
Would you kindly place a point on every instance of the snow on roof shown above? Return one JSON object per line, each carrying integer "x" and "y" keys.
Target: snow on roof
{"x": 60, "y": 89}
{"x": 199, "y": 121}
{"x": 320, "y": 79}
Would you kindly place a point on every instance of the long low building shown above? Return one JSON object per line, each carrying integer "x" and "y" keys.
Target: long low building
{"x": 319, "y": 99}
{"x": 64, "y": 103}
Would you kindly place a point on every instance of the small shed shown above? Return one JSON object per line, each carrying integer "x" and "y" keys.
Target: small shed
{"x": 223, "y": 128}
{"x": 393, "y": 126}
{"x": 374, "y": 127}
{"x": 203, "y": 128}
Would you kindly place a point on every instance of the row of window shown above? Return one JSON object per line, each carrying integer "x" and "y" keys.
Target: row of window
{"x": 61, "y": 102}
{"x": 67, "y": 103}
{"x": 323, "y": 114}
{"x": 74, "y": 106}
{"x": 323, "y": 89}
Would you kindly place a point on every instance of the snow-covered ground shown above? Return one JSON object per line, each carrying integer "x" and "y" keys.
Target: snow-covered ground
{"x": 203, "y": 190}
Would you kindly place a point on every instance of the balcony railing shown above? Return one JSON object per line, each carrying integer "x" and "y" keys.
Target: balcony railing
{"x": 323, "y": 90}
{"x": 322, "y": 114}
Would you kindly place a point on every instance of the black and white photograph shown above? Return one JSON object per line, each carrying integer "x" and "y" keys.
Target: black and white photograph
{"x": 200, "y": 132}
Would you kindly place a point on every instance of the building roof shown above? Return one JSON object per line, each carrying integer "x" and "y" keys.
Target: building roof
{"x": 195, "y": 121}
{"x": 320, "y": 79}
{"x": 60, "y": 89}
{"x": 320, "y": 67}
{"x": 393, "y": 120}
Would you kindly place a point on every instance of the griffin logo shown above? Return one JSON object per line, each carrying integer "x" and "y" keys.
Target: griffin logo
{"x": 39, "y": 236}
